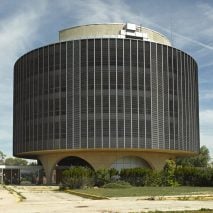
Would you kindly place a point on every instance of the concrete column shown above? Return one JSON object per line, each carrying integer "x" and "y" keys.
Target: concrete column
{"x": 157, "y": 160}
{"x": 48, "y": 162}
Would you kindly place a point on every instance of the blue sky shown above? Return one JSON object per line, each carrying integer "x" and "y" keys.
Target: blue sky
{"x": 28, "y": 24}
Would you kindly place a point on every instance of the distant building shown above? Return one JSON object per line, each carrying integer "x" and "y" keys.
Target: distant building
{"x": 106, "y": 95}
{"x": 21, "y": 174}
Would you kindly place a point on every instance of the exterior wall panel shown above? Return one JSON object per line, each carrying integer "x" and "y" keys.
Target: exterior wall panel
{"x": 105, "y": 93}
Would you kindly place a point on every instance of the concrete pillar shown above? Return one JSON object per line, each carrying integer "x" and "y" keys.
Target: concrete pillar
{"x": 156, "y": 160}
{"x": 48, "y": 162}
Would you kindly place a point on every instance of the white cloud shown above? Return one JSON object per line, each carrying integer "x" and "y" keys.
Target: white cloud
{"x": 207, "y": 141}
{"x": 206, "y": 117}
{"x": 206, "y": 10}
{"x": 6, "y": 135}
{"x": 17, "y": 34}
{"x": 97, "y": 11}
{"x": 206, "y": 128}
{"x": 210, "y": 64}
{"x": 206, "y": 95}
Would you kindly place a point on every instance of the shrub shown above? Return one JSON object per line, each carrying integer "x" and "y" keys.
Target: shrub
{"x": 77, "y": 177}
{"x": 194, "y": 176}
{"x": 153, "y": 178}
{"x": 104, "y": 176}
{"x": 135, "y": 176}
{"x": 113, "y": 172}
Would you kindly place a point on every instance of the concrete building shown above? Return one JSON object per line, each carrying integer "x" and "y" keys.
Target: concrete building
{"x": 106, "y": 95}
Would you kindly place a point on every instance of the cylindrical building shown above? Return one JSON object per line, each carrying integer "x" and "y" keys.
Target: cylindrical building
{"x": 110, "y": 95}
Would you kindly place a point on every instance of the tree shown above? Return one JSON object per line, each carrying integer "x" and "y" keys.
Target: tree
{"x": 32, "y": 164}
{"x": 169, "y": 174}
{"x": 15, "y": 162}
{"x": 201, "y": 160}
{"x": 2, "y": 156}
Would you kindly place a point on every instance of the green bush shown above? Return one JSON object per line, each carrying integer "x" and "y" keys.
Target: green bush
{"x": 194, "y": 176}
{"x": 153, "y": 178}
{"x": 113, "y": 172}
{"x": 77, "y": 177}
{"x": 102, "y": 176}
{"x": 135, "y": 176}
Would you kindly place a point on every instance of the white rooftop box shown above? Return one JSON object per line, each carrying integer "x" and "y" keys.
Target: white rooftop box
{"x": 130, "y": 26}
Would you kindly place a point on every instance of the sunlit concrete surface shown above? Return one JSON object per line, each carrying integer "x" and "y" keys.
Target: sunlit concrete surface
{"x": 47, "y": 199}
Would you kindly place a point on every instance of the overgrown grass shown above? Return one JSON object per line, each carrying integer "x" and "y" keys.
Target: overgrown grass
{"x": 147, "y": 191}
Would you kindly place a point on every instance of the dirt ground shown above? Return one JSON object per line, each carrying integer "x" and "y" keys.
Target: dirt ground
{"x": 45, "y": 199}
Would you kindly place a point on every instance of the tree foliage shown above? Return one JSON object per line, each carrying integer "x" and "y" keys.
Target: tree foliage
{"x": 200, "y": 160}
{"x": 15, "y": 162}
{"x": 194, "y": 176}
{"x": 168, "y": 175}
{"x": 12, "y": 161}
{"x": 102, "y": 176}
{"x": 2, "y": 157}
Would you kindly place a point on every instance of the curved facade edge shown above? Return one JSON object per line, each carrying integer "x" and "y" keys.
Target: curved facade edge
{"x": 98, "y": 151}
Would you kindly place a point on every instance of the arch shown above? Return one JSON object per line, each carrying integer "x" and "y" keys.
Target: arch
{"x": 51, "y": 162}
{"x": 73, "y": 161}
{"x": 66, "y": 163}
{"x": 130, "y": 162}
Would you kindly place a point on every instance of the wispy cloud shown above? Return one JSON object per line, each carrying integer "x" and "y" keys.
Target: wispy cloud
{"x": 207, "y": 95}
{"x": 17, "y": 32}
{"x": 107, "y": 11}
{"x": 99, "y": 11}
{"x": 206, "y": 9}
{"x": 206, "y": 122}
{"x": 206, "y": 116}
{"x": 207, "y": 141}
{"x": 206, "y": 127}
{"x": 210, "y": 64}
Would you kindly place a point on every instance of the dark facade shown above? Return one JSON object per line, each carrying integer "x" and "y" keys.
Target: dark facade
{"x": 105, "y": 94}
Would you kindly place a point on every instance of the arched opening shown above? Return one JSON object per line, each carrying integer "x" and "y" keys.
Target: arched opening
{"x": 67, "y": 163}
{"x": 130, "y": 162}
{"x": 73, "y": 161}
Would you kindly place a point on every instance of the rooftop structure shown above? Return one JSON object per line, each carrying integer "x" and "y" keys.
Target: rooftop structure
{"x": 112, "y": 30}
